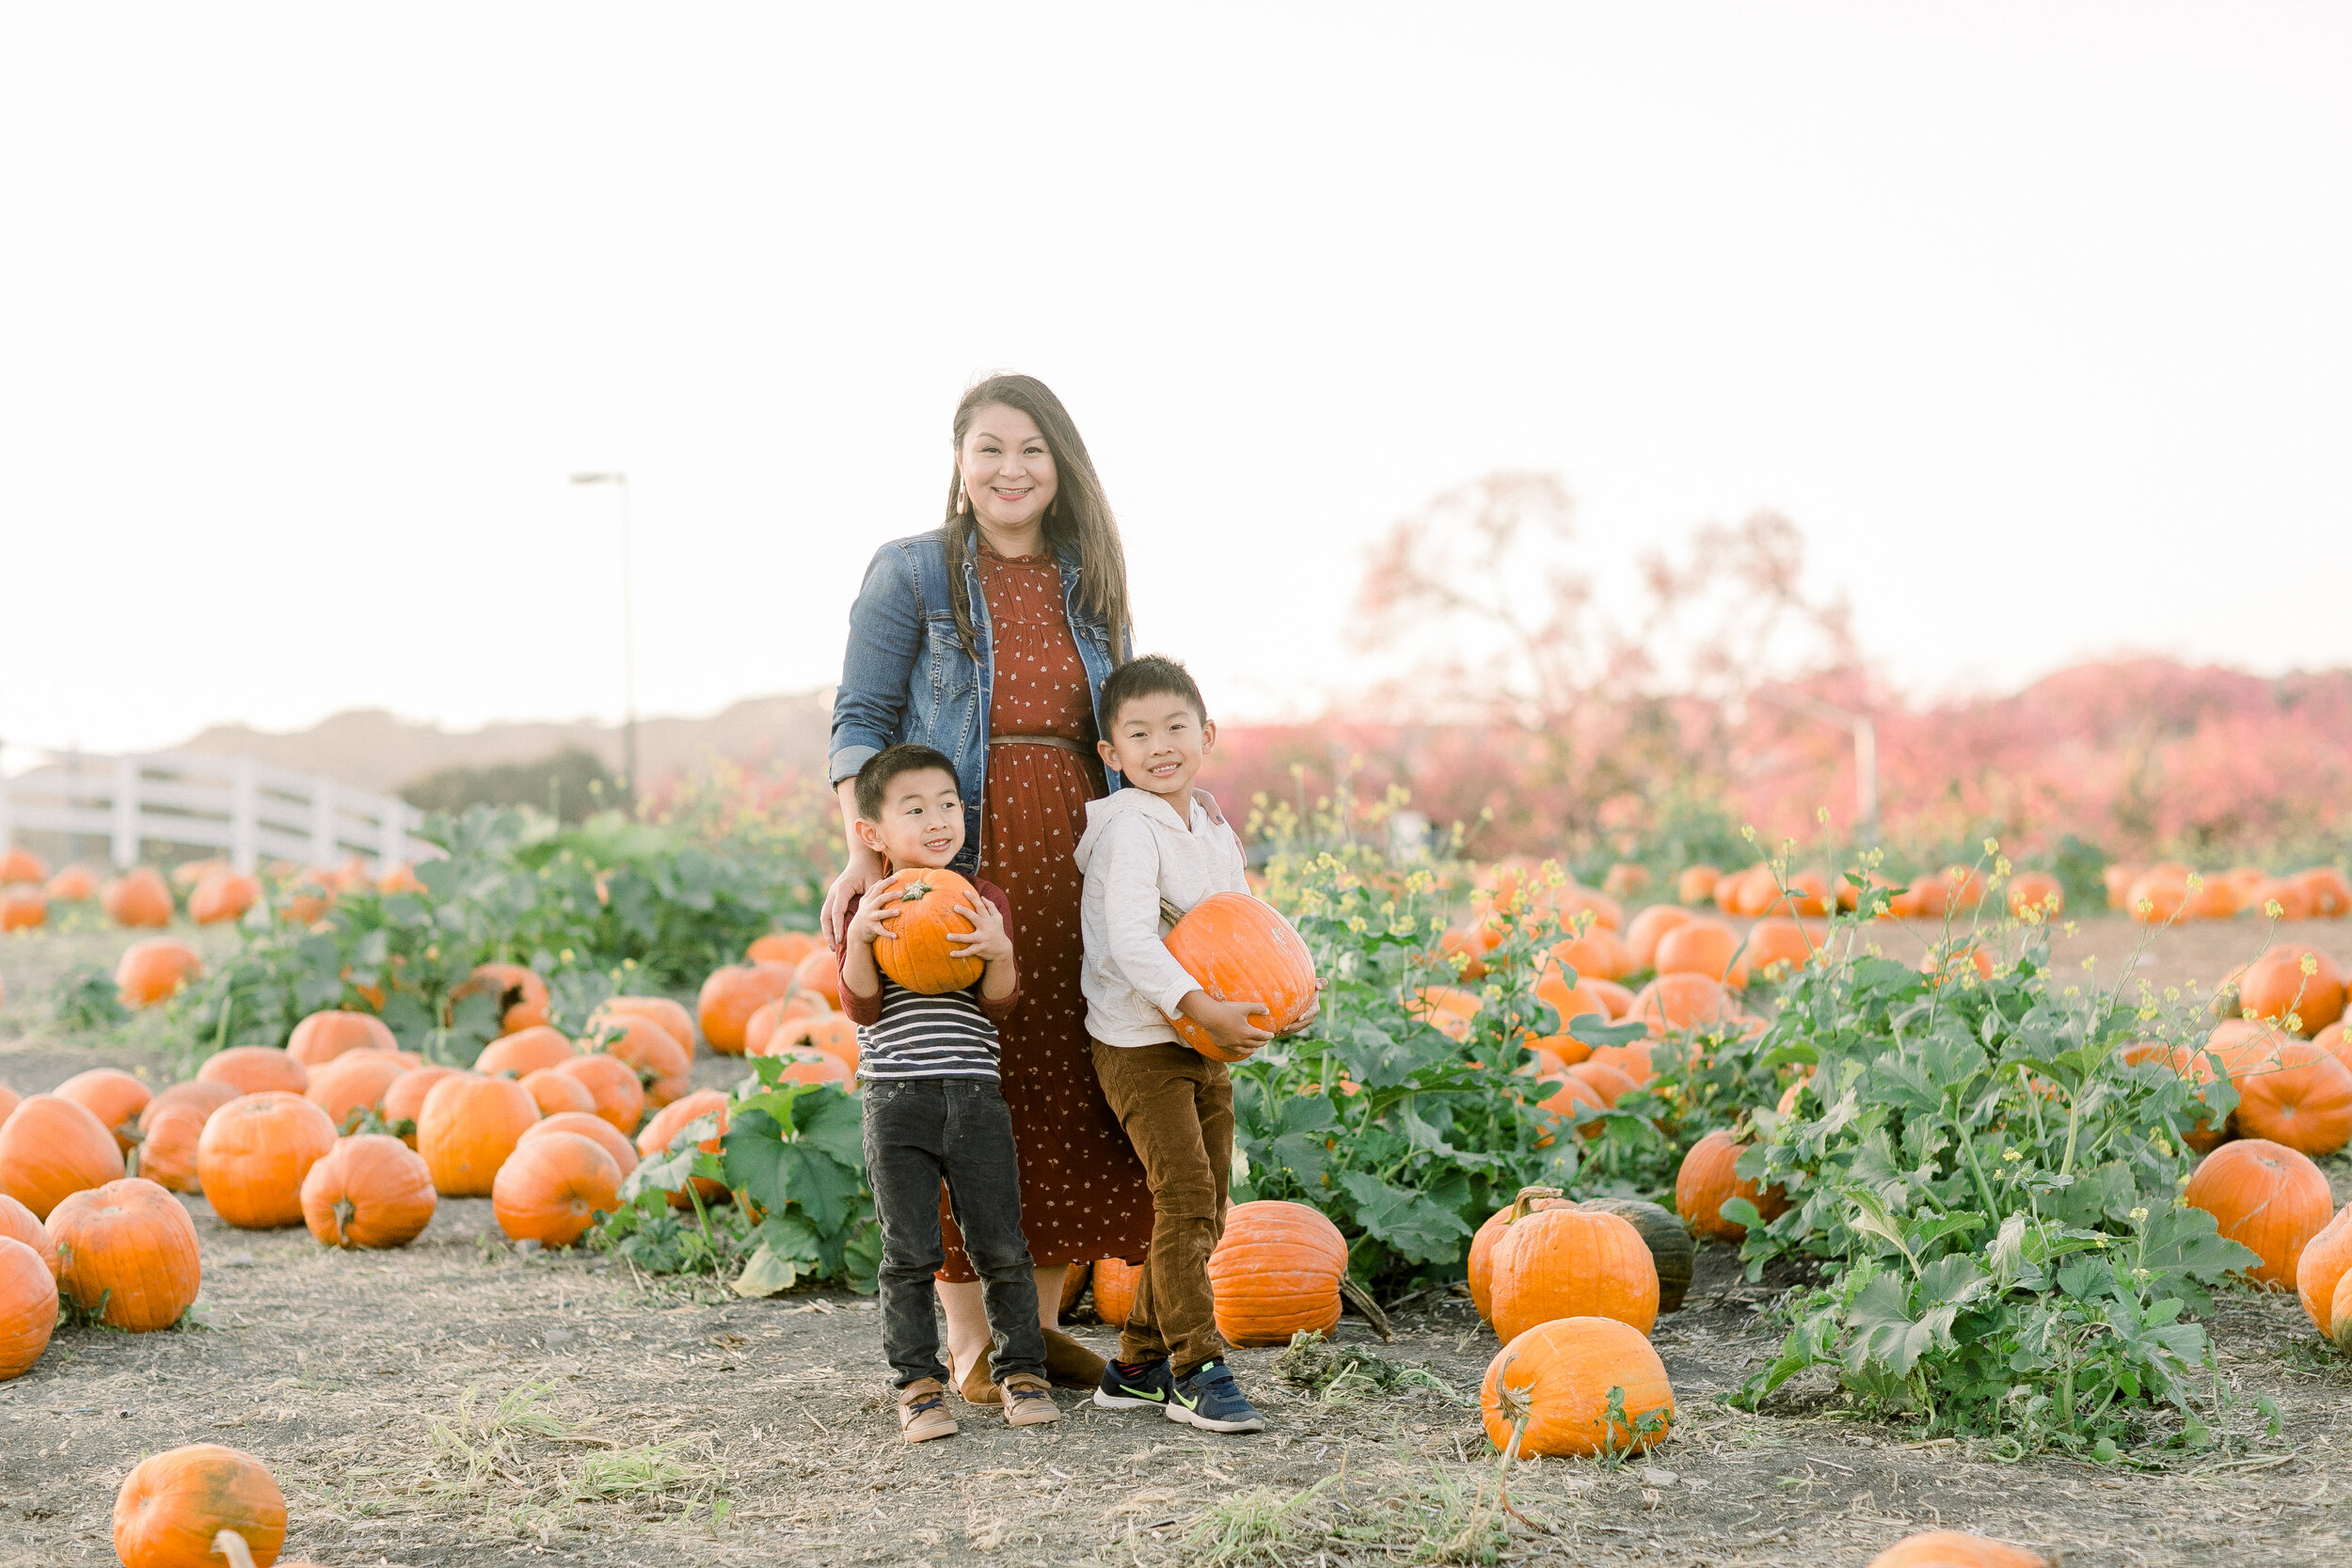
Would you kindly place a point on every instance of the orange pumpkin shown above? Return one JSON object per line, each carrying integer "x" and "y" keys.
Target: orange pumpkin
{"x": 1466, "y": 948}
{"x": 173, "y": 1504}
{"x": 518, "y": 993}
{"x": 525, "y": 1051}
{"x": 732, "y": 995}
{"x": 595, "y": 1128}
{"x": 2297, "y": 1094}
{"x": 207, "y": 1095}
{"x": 1708, "y": 1180}
{"x": 1624, "y": 879}
{"x": 1482, "y": 1263}
{"x": 555, "y": 1093}
{"x": 223, "y": 897}
{"x": 111, "y": 1095}
{"x": 154, "y": 969}
{"x": 469, "y": 1126}
{"x": 762, "y": 1026}
{"x": 130, "y": 1246}
{"x": 1616, "y": 1000}
{"x": 2036, "y": 896}
{"x": 1630, "y": 1061}
{"x": 2294, "y": 901}
{"x": 354, "y": 1081}
{"x": 28, "y": 1307}
{"x": 664, "y": 1067}
{"x": 1558, "y": 1376}
{"x": 1696, "y": 884}
{"x": 75, "y": 885}
{"x": 1673, "y": 1001}
{"x": 1115, "y": 1283}
{"x": 22, "y": 865}
{"x": 1568, "y": 1094}
{"x": 254, "y": 1153}
{"x": 1781, "y": 946}
{"x": 1599, "y": 953}
{"x": 2158, "y": 898}
{"x": 2265, "y": 1197}
{"x": 830, "y": 1033}
{"x": 1640, "y": 938}
{"x": 2319, "y": 1270}
{"x": 1240, "y": 949}
{"x": 405, "y": 1100}
{"x": 325, "y": 1036}
{"x": 918, "y": 947}
{"x": 169, "y": 1136}
{"x": 1551, "y": 1056}
{"x": 821, "y": 974}
{"x": 51, "y": 1149}
{"x": 1276, "y": 1272}
{"x": 813, "y": 1067}
{"x": 19, "y": 1223}
{"x": 400, "y": 878}
{"x": 255, "y": 1069}
{"x": 1567, "y": 1002}
{"x": 669, "y": 1015}
{"x": 615, "y": 1093}
{"x": 1608, "y": 1083}
{"x": 1572, "y": 1263}
{"x": 23, "y": 910}
{"x": 552, "y": 1188}
{"x": 187, "y": 874}
{"x": 137, "y": 898}
{"x": 2329, "y": 895}
{"x": 2275, "y": 987}
{"x": 671, "y": 1120}
{"x": 780, "y": 947}
{"x": 1707, "y": 947}
{"x": 1807, "y": 893}
{"x": 1951, "y": 1548}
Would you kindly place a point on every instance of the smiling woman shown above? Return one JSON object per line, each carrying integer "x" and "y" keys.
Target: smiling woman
{"x": 990, "y": 639}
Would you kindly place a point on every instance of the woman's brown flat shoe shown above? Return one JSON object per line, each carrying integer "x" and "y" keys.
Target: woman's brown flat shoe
{"x": 1070, "y": 1364}
{"x": 978, "y": 1386}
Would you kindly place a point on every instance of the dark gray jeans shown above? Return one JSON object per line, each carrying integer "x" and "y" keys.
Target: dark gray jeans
{"x": 919, "y": 1131}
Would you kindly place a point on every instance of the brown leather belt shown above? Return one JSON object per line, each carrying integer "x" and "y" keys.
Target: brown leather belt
{"x": 1037, "y": 740}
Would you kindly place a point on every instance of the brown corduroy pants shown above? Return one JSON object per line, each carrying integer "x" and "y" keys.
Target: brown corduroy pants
{"x": 1177, "y": 1107}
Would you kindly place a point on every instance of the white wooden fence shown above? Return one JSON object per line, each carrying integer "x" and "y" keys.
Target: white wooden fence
{"x": 248, "y": 810}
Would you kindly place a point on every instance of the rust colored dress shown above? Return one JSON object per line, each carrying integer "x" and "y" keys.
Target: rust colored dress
{"x": 1082, "y": 1189}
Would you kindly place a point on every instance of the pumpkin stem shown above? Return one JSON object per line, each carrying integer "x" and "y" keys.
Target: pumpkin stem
{"x": 345, "y": 1212}
{"x": 1527, "y": 1199}
{"x": 228, "y": 1544}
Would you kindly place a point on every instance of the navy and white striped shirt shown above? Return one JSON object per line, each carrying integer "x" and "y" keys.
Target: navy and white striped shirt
{"x": 906, "y": 1034}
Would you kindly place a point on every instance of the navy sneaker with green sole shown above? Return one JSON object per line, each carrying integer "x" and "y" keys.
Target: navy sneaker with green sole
{"x": 1207, "y": 1397}
{"x": 1123, "y": 1389}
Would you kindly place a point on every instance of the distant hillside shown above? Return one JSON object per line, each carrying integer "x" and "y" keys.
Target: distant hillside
{"x": 370, "y": 749}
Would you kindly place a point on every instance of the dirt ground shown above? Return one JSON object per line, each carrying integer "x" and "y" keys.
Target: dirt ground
{"x": 455, "y": 1403}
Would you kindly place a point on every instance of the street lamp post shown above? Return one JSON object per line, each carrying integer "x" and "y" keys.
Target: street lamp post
{"x": 628, "y": 643}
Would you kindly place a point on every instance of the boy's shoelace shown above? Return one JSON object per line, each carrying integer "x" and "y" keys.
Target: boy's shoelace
{"x": 928, "y": 1404}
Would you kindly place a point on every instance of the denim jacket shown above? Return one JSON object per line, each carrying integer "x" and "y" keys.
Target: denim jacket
{"x": 906, "y": 676}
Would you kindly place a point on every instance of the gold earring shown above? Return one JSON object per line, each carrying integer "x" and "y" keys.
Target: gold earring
{"x": 962, "y": 503}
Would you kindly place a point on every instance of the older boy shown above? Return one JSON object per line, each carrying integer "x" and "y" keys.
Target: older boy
{"x": 933, "y": 1110}
{"x": 1163, "y": 846}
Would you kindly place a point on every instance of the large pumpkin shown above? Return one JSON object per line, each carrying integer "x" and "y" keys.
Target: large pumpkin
{"x": 614, "y": 1092}
{"x": 255, "y": 1069}
{"x": 1559, "y": 1376}
{"x": 111, "y": 1095}
{"x": 75, "y": 885}
{"x": 768, "y": 1016}
{"x": 1642, "y": 937}
{"x": 821, "y": 974}
{"x": 1707, "y": 947}
{"x": 731, "y": 995}
{"x": 173, "y": 1504}
{"x": 1951, "y": 1548}
{"x": 1670, "y": 1249}
{"x": 254, "y": 1153}
{"x": 916, "y": 948}
{"x": 525, "y": 1051}
{"x": 404, "y": 1103}
{"x": 2298, "y": 983}
{"x": 553, "y": 1186}
{"x": 1680, "y": 1001}
{"x": 1780, "y": 947}
{"x": 2319, "y": 1271}
{"x": 22, "y": 865}
{"x": 1696, "y": 884}
{"x": 1599, "y": 953}
{"x": 674, "y": 1019}
{"x": 138, "y": 898}
{"x": 18, "y": 1224}
{"x": 354, "y": 1081}
{"x": 23, "y": 910}
{"x": 2036, "y": 897}
{"x": 830, "y": 1033}
{"x": 51, "y": 1149}
{"x": 1241, "y": 949}
{"x": 1482, "y": 1263}
{"x": 129, "y": 1245}
{"x": 2299, "y": 1095}
{"x": 469, "y": 1126}
{"x": 1608, "y": 1082}
{"x": 1115, "y": 1282}
{"x": 518, "y": 993}
{"x": 1571, "y": 1263}
{"x": 372, "y": 1190}
{"x": 671, "y": 1120}
{"x": 1708, "y": 1180}
{"x": 2265, "y": 1197}
{"x": 223, "y": 897}
{"x": 2329, "y": 894}
{"x": 168, "y": 1134}
{"x": 587, "y": 1125}
{"x": 555, "y": 1093}
{"x": 323, "y": 1037}
{"x": 1277, "y": 1272}
{"x": 781, "y": 947}
{"x": 664, "y": 1068}
{"x": 28, "y": 1307}
{"x": 206, "y": 1094}
{"x": 154, "y": 969}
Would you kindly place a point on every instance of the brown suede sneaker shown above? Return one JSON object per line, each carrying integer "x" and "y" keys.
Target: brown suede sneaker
{"x": 1029, "y": 1402}
{"x": 1070, "y": 1364}
{"x": 923, "y": 1411}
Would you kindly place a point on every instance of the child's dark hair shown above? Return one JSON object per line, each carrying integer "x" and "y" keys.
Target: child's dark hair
{"x": 1151, "y": 675}
{"x": 887, "y": 765}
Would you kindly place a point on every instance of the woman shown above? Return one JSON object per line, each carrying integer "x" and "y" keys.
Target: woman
{"x": 989, "y": 639}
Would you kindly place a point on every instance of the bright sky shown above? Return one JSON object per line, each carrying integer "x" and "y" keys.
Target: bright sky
{"x": 2035, "y": 318}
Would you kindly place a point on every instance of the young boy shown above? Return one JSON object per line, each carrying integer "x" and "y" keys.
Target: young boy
{"x": 1163, "y": 843}
{"x": 933, "y": 1110}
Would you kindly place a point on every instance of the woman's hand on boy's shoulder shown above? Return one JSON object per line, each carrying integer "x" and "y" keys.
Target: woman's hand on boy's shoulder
{"x": 987, "y": 940}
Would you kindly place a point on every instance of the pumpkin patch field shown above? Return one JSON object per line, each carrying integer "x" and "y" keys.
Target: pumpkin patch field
{"x": 512, "y": 1209}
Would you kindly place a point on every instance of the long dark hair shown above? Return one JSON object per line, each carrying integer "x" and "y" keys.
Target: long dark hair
{"x": 1078, "y": 523}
